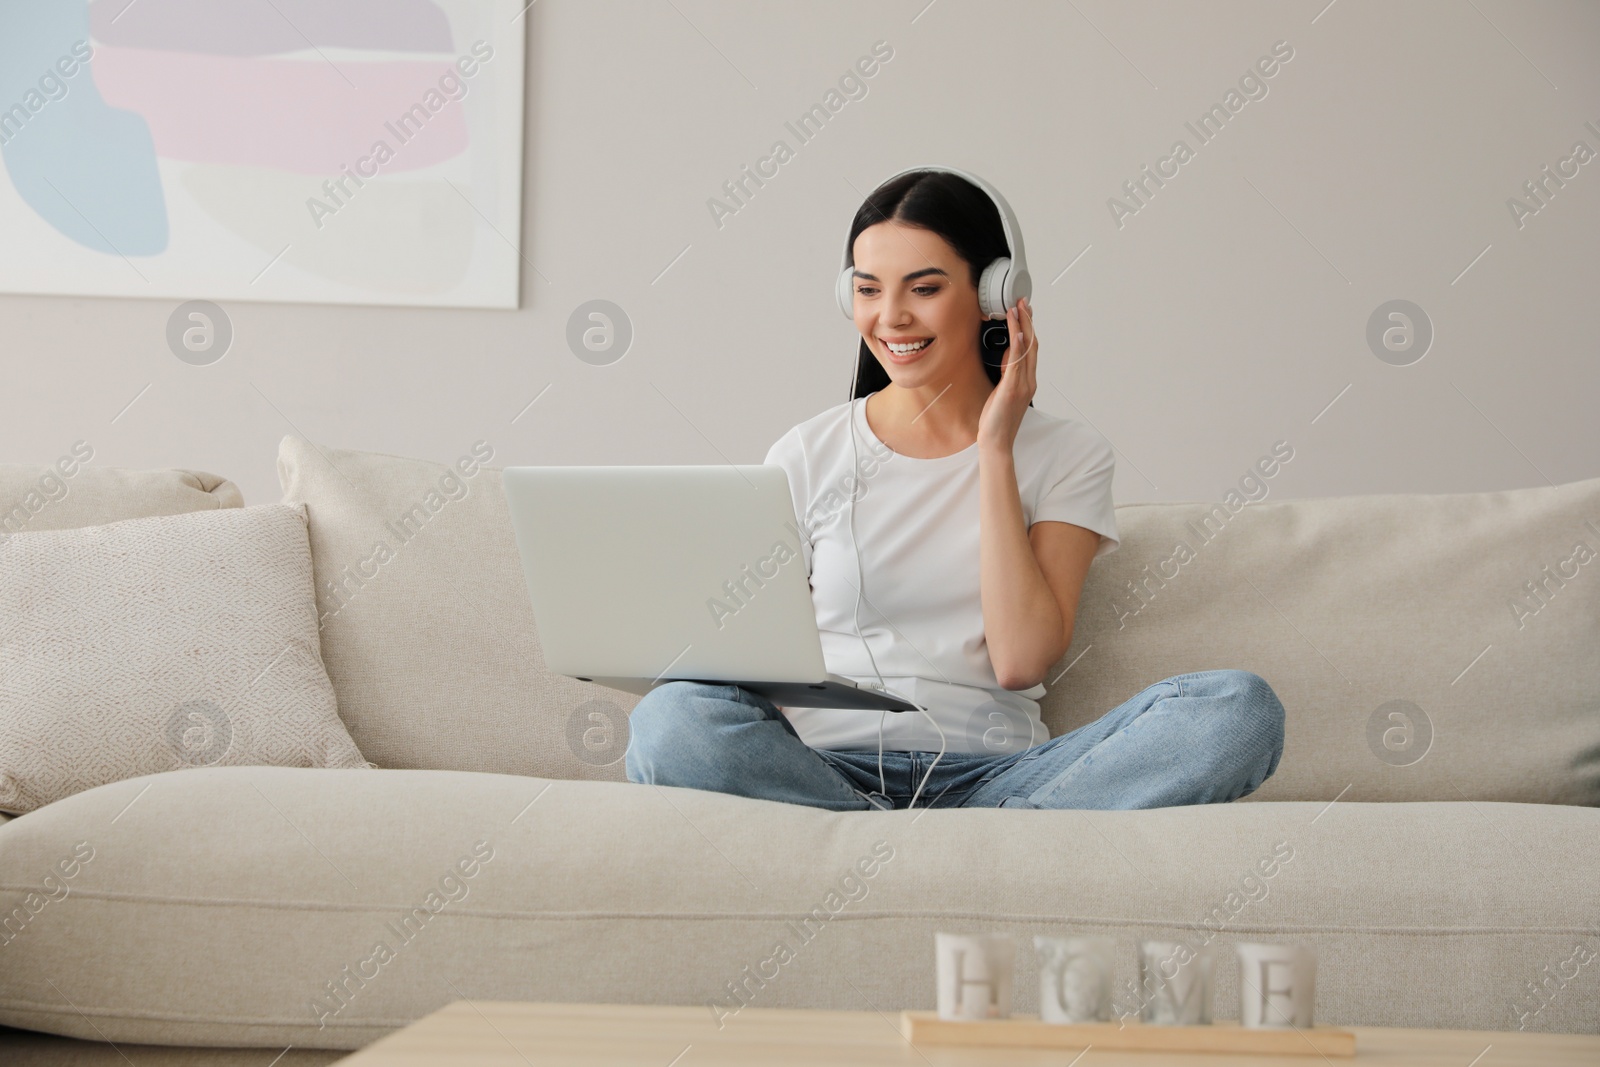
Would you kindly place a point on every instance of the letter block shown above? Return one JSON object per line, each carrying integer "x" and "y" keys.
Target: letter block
{"x": 974, "y": 974}
{"x": 1277, "y": 984}
{"x": 1075, "y": 978}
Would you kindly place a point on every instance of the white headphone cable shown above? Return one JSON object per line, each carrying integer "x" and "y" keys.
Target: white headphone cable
{"x": 860, "y": 582}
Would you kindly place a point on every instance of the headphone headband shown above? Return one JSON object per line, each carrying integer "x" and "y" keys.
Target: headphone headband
{"x": 1002, "y": 283}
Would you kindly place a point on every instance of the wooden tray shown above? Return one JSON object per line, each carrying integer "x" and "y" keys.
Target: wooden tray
{"x": 926, "y": 1028}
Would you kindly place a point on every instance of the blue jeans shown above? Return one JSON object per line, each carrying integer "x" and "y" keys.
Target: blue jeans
{"x": 1208, "y": 737}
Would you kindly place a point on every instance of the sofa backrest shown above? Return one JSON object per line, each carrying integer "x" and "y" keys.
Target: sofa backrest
{"x": 1353, "y": 608}
{"x": 73, "y": 492}
{"x": 1425, "y": 647}
{"x": 427, "y": 630}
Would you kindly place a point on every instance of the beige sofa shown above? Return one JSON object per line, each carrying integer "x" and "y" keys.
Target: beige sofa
{"x": 1433, "y": 819}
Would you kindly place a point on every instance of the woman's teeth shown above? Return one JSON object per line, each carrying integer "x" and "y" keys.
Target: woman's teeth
{"x": 906, "y": 350}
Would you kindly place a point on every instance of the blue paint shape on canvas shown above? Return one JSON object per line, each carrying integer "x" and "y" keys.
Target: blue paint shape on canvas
{"x": 88, "y": 169}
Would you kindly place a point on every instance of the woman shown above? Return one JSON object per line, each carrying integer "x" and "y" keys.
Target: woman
{"x": 979, "y": 517}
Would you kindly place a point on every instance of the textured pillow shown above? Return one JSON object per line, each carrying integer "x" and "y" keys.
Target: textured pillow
{"x": 1425, "y": 646}
{"x": 72, "y": 492}
{"x": 427, "y": 629}
{"x": 160, "y": 643}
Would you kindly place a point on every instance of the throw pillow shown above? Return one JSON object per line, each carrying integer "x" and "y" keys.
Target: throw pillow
{"x": 159, "y": 643}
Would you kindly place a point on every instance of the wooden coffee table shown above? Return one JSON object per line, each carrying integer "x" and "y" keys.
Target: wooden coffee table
{"x": 480, "y": 1033}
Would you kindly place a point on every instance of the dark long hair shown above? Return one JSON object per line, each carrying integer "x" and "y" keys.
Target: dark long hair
{"x": 955, "y": 209}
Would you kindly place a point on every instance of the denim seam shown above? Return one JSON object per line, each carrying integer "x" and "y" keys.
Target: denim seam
{"x": 1027, "y": 755}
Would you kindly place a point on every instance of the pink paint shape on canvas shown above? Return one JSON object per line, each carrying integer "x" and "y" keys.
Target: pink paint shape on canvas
{"x": 299, "y": 115}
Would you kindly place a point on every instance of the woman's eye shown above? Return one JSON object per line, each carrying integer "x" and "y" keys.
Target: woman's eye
{"x": 920, "y": 290}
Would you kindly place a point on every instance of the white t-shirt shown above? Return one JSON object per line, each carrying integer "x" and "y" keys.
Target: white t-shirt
{"x": 917, "y": 525}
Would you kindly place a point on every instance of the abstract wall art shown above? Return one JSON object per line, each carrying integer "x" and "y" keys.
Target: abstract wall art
{"x": 326, "y": 151}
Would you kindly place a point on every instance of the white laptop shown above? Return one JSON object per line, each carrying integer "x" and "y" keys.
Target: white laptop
{"x": 641, "y": 576}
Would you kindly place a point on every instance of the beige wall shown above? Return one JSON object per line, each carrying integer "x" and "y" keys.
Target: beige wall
{"x": 1225, "y": 315}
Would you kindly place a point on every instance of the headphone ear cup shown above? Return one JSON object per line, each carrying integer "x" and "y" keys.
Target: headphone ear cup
{"x": 1020, "y": 283}
{"x": 845, "y": 291}
{"x": 992, "y": 288}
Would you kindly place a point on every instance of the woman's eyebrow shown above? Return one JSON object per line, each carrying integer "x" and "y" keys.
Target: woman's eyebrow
{"x": 908, "y": 277}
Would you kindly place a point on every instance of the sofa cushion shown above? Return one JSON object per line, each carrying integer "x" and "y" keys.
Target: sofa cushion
{"x": 1425, "y": 647}
{"x": 29, "y": 1048}
{"x": 427, "y": 630}
{"x": 324, "y": 909}
{"x": 73, "y": 492}
{"x": 157, "y": 644}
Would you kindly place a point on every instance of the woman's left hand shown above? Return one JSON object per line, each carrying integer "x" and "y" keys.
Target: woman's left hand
{"x": 1003, "y": 411}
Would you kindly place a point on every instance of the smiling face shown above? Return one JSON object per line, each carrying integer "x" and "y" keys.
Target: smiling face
{"x": 916, "y": 304}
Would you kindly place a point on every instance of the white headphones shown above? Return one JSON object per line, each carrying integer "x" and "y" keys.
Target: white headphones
{"x": 1002, "y": 283}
